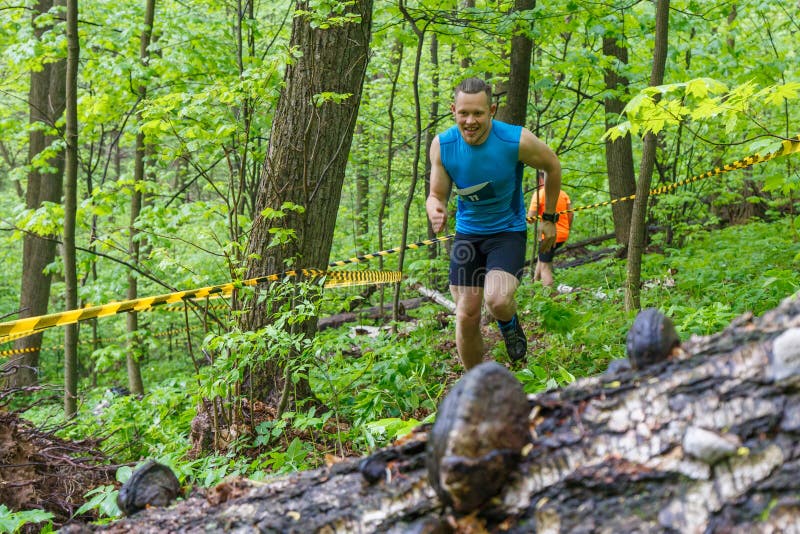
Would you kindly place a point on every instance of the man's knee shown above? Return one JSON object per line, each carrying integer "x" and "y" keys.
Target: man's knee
{"x": 497, "y": 303}
{"x": 468, "y": 315}
{"x": 499, "y": 297}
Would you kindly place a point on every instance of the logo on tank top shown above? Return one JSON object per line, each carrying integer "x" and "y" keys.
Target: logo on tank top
{"x": 475, "y": 193}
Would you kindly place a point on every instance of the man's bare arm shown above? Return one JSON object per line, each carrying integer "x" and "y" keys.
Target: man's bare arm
{"x": 535, "y": 153}
{"x": 436, "y": 203}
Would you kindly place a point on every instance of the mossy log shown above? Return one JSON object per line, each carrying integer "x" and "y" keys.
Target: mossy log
{"x": 705, "y": 442}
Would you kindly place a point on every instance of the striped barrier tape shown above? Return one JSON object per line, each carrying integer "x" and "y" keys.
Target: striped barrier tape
{"x": 367, "y": 257}
{"x": 22, "y": 327}
{"x": 788, "y": 146}
{"x": 14, "y": 352}
{"x": 215, "y": 307}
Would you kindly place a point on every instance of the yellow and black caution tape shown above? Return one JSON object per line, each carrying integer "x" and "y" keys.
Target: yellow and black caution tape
{"x": 13, "y": 352}
{"x": 367, "y": 257}
{"x": 215, "y": 307}
{"x": 788, "y": 146}
{"x": 22, "y": 327}
{"x": 360, "y": 278}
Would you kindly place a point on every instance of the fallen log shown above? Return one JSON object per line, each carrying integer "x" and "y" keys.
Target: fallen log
{"x": 705, "y": 442}
{"x": 436, "y": 297}
{"x": 372, "y": 313}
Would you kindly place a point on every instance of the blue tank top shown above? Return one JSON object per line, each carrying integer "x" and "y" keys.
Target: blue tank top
{"x": 487, "y": 178}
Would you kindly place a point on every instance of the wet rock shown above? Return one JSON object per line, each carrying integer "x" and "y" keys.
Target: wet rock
{"x": 651, "y": 339}
{"x": 153, "y": 484}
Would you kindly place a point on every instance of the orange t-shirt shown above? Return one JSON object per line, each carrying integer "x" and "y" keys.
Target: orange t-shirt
{"x": 562, "y": 226}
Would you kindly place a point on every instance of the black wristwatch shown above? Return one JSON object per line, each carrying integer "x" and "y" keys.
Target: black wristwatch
{"x": 552, "y": 217}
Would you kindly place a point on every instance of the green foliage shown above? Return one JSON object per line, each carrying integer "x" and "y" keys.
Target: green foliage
{"x": 324, "y": 14}
{"x": 536, "y": 379}
{"x": 383, "y": 381}
{"x": 103, "y": 501}
{"x": 294, "y": 458}
{"x": 390, "y": 428}
{"x": 12, "y": 522}
{"x": 705, "y": 100}
{"x": 133, "y": 428}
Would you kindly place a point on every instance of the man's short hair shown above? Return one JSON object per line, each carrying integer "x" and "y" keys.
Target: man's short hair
{"x": 473, "y": 86}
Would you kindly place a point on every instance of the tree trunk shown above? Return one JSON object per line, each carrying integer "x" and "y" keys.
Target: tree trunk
{"x": 46, "y": 104}
{"x": 639, "y": 214}
{"x": 420, "y": 33}
{"x": 383, "y": 208}
{"x": 619, "y": 152}
{"x": 515, "y": 109}
{"x": 466, "y": 61}
{"x": 433, "y": 118}
{"x": 70, "y": 212}
{"x": 305, "y": 163}
{"x": 362, "y": 194}
{"x": 702, "y": 443}
{"x": 135, "y": 384}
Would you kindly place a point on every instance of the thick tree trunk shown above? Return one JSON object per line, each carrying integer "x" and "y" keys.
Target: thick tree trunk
{"x": 515, "y": 109}
{"x": 308, "y": 151}
{"x": 46, "y": 102}
{"x": 703, "y": 443}
{"x": 619, "y": 152}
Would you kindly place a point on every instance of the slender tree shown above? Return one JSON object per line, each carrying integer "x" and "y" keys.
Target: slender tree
{"x": 45, "y": 183}
{"x": 70, "y": 212}
{"x": 466, "y": 61}
{"x": 639, "y": 215}
{"x": 397, "y": 53}
{"x": 362, "y": 194}
{"x": 309, "y": 146}
{"x": 430, "y": 131}
{"x": 420, "y": 33}
{"x": 133, "y": 353}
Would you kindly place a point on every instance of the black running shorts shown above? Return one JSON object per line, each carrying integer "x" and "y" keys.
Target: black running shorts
{"x": 472, "y": 256}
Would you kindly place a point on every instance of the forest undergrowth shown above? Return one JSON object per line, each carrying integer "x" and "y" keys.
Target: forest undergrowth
{"x": 373, "y": 388}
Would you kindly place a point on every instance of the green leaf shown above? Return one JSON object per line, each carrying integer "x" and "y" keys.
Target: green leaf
{"x": 702, "y": 87}
{"x": 12, "y": 521}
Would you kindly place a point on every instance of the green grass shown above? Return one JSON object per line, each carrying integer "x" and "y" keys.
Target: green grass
{"x": 715, "y": 277}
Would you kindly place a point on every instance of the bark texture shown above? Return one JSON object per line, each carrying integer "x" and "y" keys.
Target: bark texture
{"x": 305, "y": 164}
{"x": 707, "y": 442}
{"x": 68, "y": 252}
{"x": 619, "y": 153}
{"x": 636, "y": 239}
{"x": 46, "y": 104}
{"x": 515, "y": 109}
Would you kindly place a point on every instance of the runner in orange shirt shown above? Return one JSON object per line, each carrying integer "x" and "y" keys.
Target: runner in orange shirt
{"x": 544, "y": 264}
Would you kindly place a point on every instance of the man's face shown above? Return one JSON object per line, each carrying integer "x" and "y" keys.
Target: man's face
{"x": 473, "y": 115}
